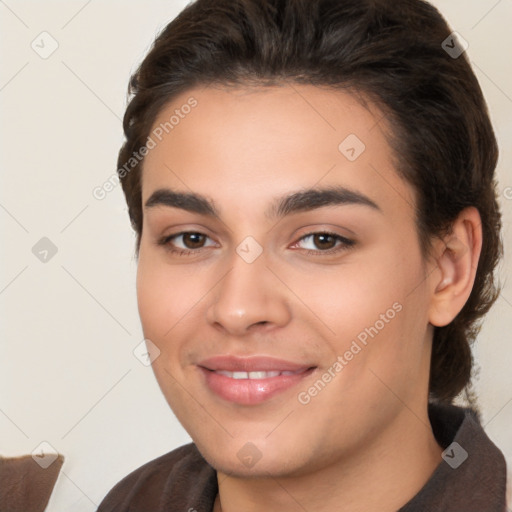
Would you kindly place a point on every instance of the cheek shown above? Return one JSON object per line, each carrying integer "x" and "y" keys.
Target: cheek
{"x": 163, "y": 307}
{"x": 162, "y": 301}
{"x": 153, "y": 300}
{"x": 389, "y": 356}
{"x": 375, "y": 312}
{"x": 164, "y": 295}
{"x": 350, "y": 298}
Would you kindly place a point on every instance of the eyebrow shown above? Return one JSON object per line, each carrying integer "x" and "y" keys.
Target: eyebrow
{"x": 300, "y": 201}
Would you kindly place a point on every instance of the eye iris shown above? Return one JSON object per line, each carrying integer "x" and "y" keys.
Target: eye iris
{"x": 321, "y": 238}
{"x": 197, "y": 240}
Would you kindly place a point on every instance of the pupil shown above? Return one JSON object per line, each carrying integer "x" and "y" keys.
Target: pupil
{"x": 321, "y": 239}
{"x": 195, "y": 243}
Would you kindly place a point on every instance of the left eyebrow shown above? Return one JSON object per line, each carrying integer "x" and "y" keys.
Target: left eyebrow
{"x": 314, "y": 198}
{"x": 300, "y": 201}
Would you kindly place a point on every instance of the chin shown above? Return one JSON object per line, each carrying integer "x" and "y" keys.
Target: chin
{"x": 246, "y": 459}
{"x": 276, "y": 468}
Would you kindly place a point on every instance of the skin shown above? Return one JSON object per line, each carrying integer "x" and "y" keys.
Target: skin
{"x": 368, "y": 428}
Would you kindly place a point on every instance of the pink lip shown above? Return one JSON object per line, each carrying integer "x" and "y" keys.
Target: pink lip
{"x": 251, "y": 391}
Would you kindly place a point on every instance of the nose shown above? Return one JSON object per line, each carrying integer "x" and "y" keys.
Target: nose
{"x": 248, "y": 298}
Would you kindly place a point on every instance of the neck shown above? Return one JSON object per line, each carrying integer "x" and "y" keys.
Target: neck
{"x": 383, "y": 477}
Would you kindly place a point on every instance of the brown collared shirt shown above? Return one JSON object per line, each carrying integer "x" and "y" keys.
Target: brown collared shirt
{"x": 471, "y": 477}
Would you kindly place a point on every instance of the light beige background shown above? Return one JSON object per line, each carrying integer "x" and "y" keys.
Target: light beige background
{"x": 68, "y": 375}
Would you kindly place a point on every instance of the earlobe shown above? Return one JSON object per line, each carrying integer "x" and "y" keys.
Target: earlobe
{"x": 457, "y": 256}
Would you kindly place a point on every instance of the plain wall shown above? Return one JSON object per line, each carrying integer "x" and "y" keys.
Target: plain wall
{"x": 69, "y": 326}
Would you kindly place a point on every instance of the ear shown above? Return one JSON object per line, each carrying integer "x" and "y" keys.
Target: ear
{"x": 456, "y": 258}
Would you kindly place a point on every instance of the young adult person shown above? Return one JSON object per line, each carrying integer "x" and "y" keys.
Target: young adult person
{"x": 312, "y": 188}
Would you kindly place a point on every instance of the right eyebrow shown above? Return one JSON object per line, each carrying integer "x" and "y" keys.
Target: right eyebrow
{"x": 190, "y": 202}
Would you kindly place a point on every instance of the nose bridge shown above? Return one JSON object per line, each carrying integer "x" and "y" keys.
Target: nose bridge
{"x": 249, "y": 293}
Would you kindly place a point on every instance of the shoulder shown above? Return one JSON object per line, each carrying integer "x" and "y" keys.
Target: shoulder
{"x": 479, "y": 481}
{"x": 178, "y": 477}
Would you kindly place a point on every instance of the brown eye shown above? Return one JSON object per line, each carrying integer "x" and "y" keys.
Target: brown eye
{"x": 324, "y": 243}
{"x": 193, "y": 240}
{"x": 186, "y": 243}
{"x": 324, "y": 240}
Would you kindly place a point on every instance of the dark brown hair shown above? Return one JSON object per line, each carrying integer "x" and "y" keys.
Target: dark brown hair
{"x": 395, "y": 53}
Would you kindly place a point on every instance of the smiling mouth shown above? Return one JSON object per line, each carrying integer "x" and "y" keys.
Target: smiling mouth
{"x": 254, "y": 387}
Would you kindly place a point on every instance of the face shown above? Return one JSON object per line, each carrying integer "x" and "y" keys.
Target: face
{"x": 280, "y": 277}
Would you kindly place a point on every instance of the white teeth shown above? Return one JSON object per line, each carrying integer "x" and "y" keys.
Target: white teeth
{"x": 262, "y": 375}
{"x": 252, "y": 375}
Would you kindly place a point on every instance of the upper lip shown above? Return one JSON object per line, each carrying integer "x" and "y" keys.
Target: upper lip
{"x": 232, "y": 363}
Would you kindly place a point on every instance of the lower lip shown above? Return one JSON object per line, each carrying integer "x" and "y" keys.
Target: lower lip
{"x": 251, "y": 391}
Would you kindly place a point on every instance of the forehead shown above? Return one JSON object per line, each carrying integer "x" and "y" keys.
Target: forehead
{"x": 267, "y": 141}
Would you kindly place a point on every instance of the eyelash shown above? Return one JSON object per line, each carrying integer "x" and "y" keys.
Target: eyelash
{"x": 345, "y": 244}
